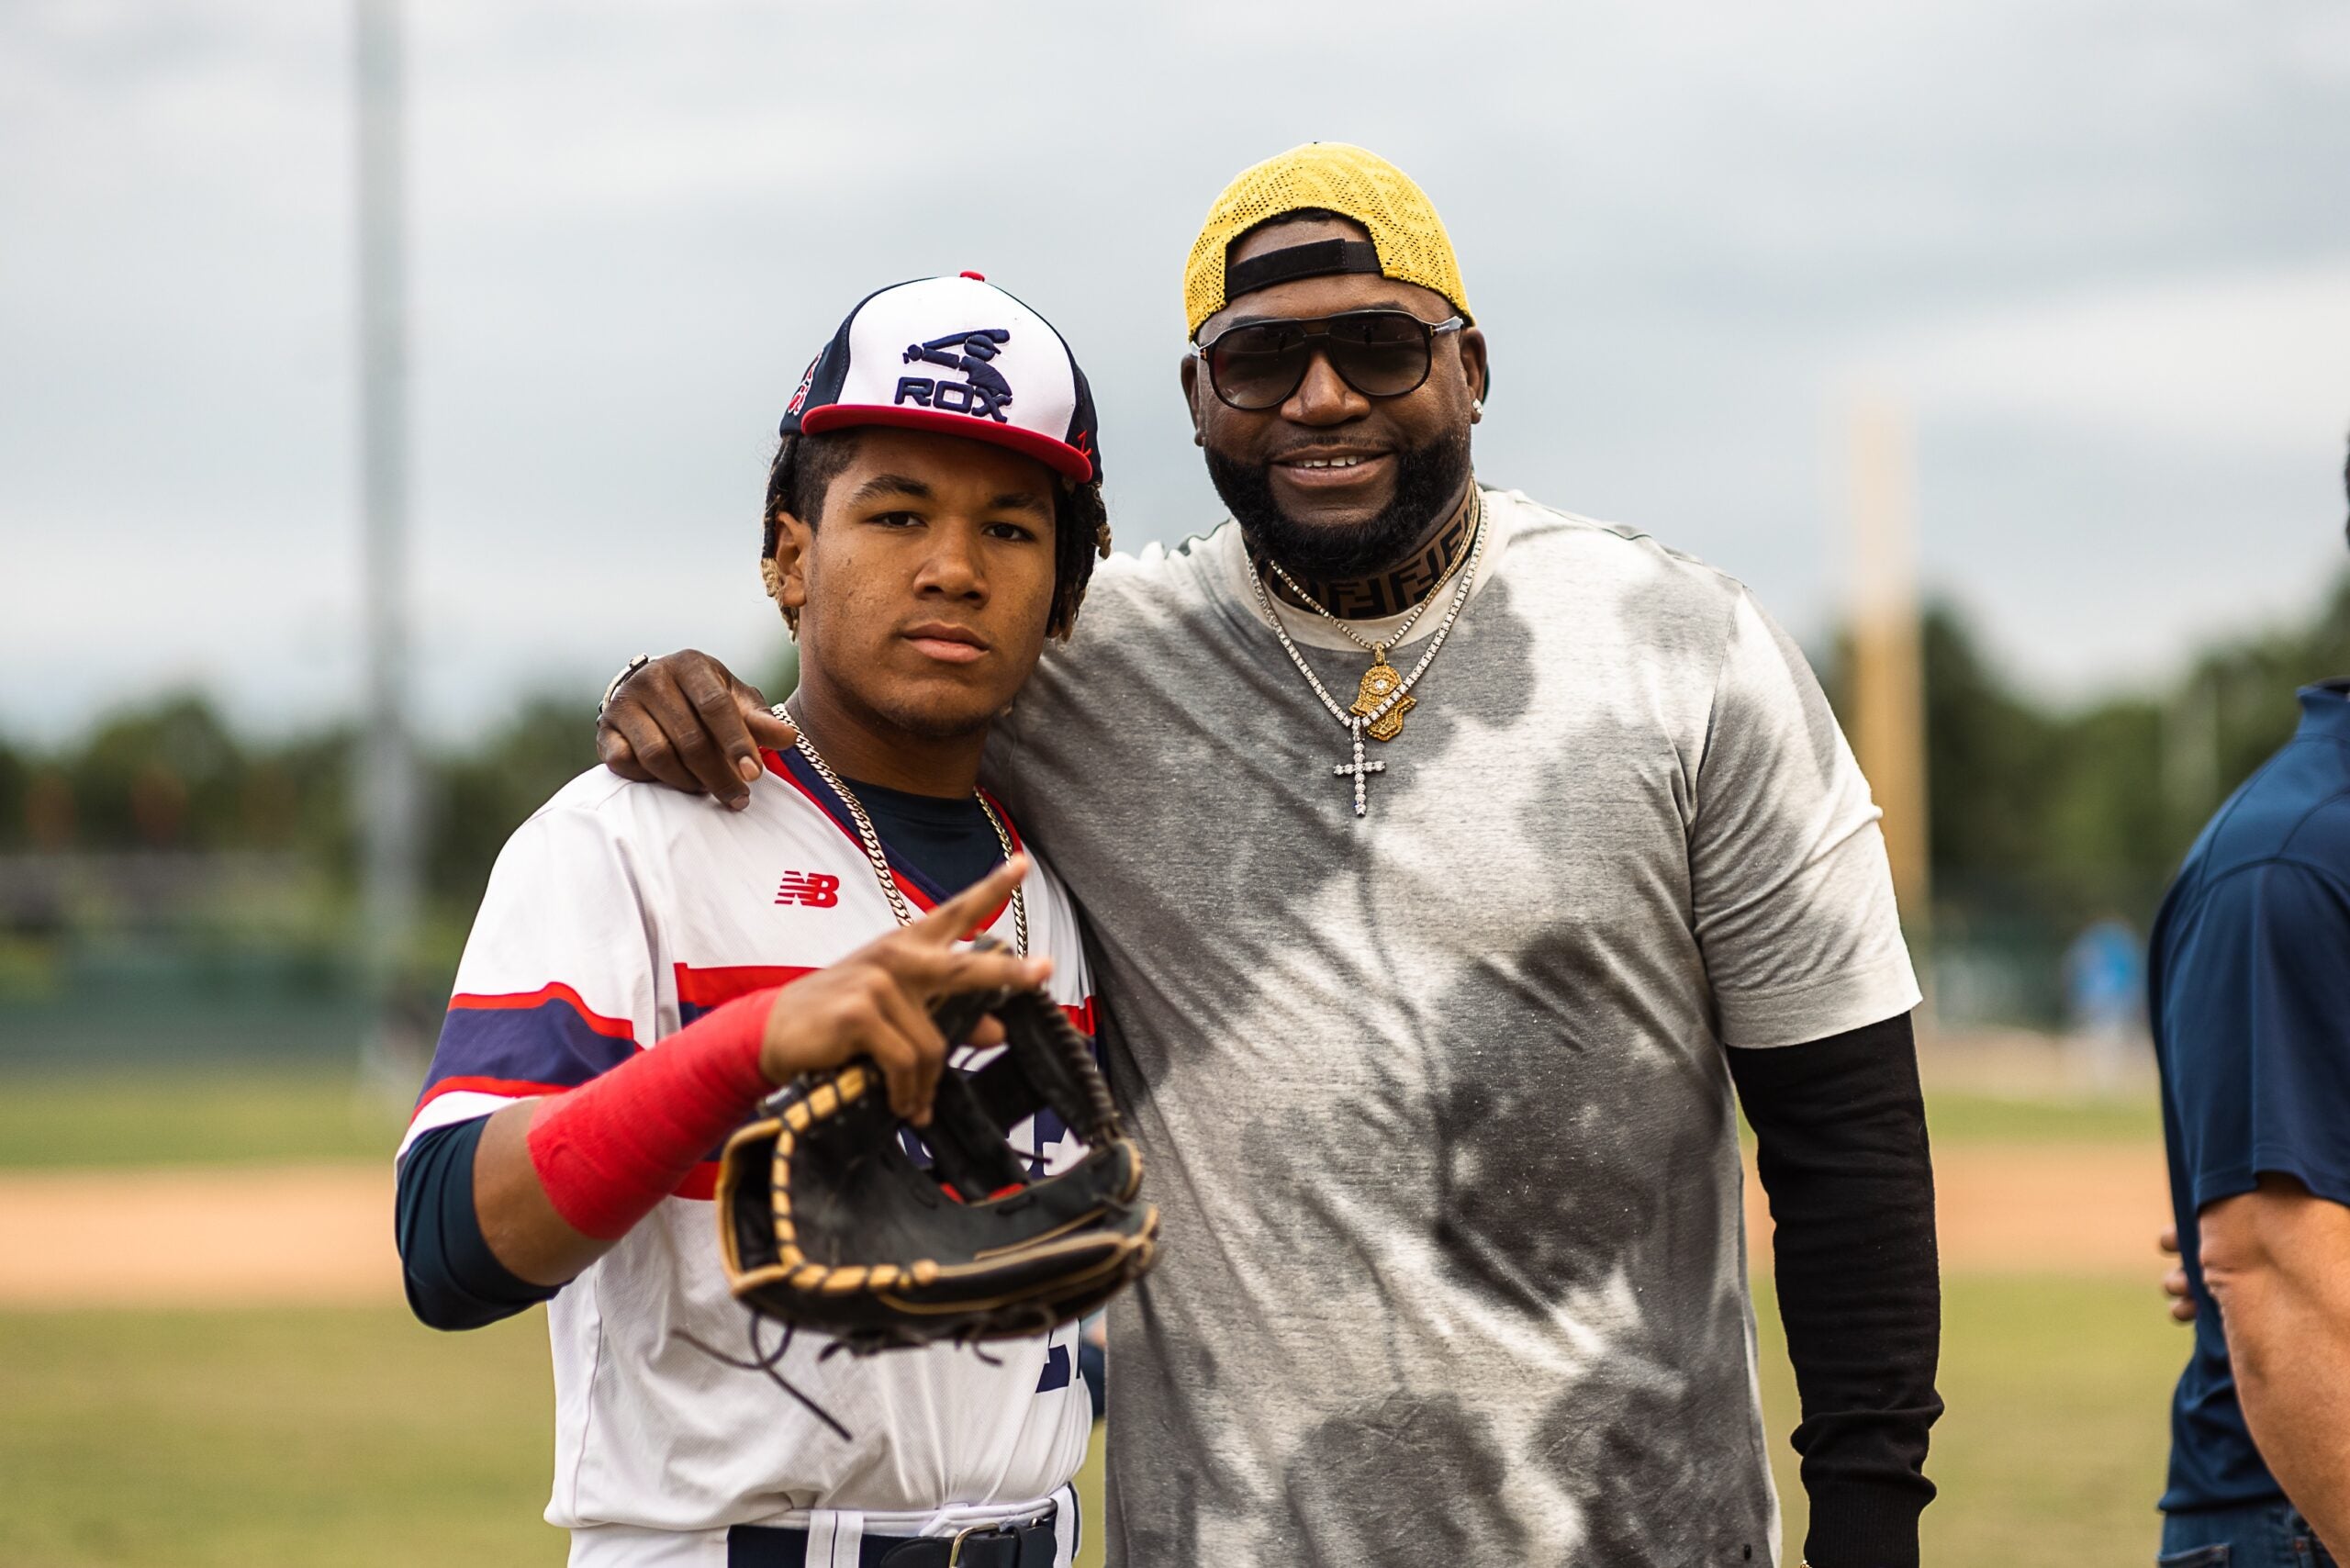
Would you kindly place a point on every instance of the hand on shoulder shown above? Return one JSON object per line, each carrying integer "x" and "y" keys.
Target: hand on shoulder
{"x": 684, "y": 720}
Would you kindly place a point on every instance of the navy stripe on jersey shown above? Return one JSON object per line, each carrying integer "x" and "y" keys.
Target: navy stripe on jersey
{"x": 525, "y": 1043}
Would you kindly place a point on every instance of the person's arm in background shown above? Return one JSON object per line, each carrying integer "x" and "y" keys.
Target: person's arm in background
{"x": 2277, "y": 1262}
{"x": 1840, "y": 1128}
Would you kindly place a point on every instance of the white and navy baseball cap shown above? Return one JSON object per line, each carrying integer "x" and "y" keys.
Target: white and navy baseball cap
{"x": 960, "y": 356}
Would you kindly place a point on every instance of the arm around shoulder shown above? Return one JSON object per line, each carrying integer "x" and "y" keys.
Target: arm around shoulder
{"x": 685, "y": 721}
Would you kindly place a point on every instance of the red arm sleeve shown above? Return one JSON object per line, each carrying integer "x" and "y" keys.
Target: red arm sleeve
{"x": 611, "y": 1149}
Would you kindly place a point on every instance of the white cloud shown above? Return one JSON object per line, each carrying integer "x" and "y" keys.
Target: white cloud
{"x": 2254, "y": 361}
{"x": 2103, "y": 239}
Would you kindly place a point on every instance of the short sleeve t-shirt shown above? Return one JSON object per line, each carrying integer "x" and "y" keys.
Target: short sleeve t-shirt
{"x": 1434, "y": 1099}
{"x": 2250, "y": 977}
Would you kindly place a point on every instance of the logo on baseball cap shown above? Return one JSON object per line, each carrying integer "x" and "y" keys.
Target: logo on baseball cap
{"x": 961, "y": 357}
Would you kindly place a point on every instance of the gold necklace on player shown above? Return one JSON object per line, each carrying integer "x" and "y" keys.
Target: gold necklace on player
{"x": 872, "y": 840}
{"x": 1381, "y": 680}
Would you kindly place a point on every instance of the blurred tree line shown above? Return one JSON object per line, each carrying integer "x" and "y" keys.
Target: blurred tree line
{"x": 2044, "y": 817}
{"x": 172, "y": 777}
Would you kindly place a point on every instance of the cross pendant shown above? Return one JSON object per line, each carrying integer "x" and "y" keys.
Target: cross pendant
{"x": 1358, "y": 768}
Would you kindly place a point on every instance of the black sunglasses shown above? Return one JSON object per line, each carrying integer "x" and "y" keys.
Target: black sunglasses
{"x": 1379, "y": 353}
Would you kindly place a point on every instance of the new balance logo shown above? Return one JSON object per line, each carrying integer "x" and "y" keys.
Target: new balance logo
{"x": 814, "y": 889}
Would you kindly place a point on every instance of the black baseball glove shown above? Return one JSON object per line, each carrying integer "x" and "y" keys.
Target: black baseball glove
{"x": 826, "y": 1223}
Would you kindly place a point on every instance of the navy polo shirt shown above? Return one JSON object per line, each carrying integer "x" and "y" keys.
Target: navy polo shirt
{"x": 2250, "y": 990}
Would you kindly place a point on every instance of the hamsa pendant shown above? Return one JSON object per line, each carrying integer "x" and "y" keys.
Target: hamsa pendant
{"x": 1378, "y": 682}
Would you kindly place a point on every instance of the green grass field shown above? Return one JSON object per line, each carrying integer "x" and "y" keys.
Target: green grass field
{"x": 351, "y": 1437}
{"x": 49, "y": 1121}
{"x": 255, "y": 1118}
{"x": 1955, "y": 1118}
{"x": 354, "y": 1437}
{"x": 2052, "y": 1452}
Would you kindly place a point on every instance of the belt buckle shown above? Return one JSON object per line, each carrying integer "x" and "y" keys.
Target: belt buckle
{"x": 1009, "y": 1530}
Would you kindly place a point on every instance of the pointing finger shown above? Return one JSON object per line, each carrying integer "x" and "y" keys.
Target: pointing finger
{"x": 960, "y": 916}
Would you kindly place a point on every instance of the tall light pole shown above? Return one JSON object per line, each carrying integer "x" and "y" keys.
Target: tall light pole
{"x": 1888, "y": 692}
{"x": 387, "y": 793}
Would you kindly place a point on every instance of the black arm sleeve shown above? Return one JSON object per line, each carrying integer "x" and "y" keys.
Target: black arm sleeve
{"x": 453, "y": 1280}
{"x": 1840, "y": 1127}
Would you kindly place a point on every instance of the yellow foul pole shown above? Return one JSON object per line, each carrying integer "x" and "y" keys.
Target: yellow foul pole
{"x": 1888, "y": 691}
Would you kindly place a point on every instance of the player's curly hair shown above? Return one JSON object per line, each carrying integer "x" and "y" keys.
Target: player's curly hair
{"x": 806, "y": 465}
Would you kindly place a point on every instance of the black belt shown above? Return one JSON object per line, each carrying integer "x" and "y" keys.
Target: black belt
{"x": 996, "y": 1546}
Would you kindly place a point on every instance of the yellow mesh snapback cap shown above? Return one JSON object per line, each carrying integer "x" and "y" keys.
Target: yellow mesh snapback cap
{"x": 1407, "y": 236}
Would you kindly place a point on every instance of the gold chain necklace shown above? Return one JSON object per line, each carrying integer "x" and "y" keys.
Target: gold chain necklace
{"x": 872, "y": 840}
{"x": 1356, "y": 721}
{"x": 1381, "y": 679}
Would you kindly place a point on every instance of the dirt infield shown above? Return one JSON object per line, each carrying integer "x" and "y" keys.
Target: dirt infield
{"x": 318, "y": 1235}
{"x": 272, "y": 1235}
{"x": 2035, "y": 1209}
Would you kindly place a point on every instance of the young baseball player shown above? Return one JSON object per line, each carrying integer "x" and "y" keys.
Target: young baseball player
{"x": 646, "y": 967}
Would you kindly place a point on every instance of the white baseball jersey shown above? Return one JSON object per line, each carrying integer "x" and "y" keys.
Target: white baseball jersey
{"x": 616, "y": 915}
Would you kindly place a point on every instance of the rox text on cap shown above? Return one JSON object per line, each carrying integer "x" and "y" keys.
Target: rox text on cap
{"x": 958, "y": 356}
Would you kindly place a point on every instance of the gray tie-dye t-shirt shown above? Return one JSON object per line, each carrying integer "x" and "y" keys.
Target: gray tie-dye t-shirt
{"x": 1434, "y": 1102}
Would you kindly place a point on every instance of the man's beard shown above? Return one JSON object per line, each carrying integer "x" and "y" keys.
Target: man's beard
{"x": 1428, "y": 480}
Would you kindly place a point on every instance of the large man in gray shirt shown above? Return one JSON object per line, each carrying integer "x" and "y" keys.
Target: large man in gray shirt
{"x": 1420, "y": 971}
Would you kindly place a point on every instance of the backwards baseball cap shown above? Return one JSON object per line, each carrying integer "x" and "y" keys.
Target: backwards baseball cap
{"x": 960, "y": 356}
{"x": 1407, "y": 240}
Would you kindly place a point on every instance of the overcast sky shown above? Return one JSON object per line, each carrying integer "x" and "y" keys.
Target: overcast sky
{"x": 2100, "y": 251}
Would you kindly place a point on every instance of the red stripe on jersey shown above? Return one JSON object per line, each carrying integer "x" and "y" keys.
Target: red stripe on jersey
{"x": 914, "y": 895}
{"x": 512, "y": 1088}
{"x": 613, "y": 1028}
{"x": 700, "y": 1183}
{"x": 1081, "y": 1015}
{"x": 718, "y": 986}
